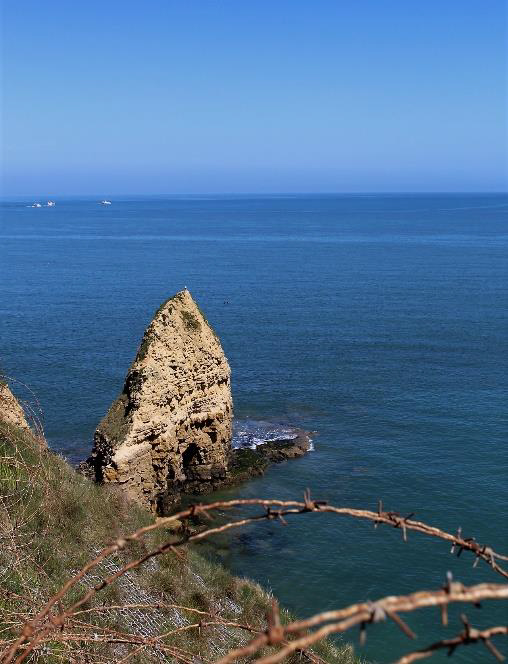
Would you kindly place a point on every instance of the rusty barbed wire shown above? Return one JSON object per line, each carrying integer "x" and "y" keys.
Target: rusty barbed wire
{"x": 467, "y": 637}
{"x": 361, "y": 614}
{"x": 45, "y": 621}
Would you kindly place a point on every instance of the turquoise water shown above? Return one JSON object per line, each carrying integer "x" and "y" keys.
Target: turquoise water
{"x": 378, "y": 321}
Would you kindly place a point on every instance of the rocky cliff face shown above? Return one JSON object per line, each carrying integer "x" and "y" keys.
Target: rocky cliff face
{"x": 10, "y": 408}
{"x": 170, "y": 429}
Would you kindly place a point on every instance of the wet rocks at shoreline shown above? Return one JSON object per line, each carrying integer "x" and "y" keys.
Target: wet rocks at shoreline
{"x": 246, "y": 462}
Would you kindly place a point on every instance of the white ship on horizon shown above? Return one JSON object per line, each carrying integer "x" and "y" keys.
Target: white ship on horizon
{"x": 105, "y": 202}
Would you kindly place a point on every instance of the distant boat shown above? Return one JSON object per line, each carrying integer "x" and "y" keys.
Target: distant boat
{"x": 35, "y": 205}
{"x": 105, "y": 202}
{"x": 50, "y": 204}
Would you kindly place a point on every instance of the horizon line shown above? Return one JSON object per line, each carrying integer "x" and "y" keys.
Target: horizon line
{"x": 259, "y": 194}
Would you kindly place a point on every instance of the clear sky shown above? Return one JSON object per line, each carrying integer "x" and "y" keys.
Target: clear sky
{"x": 189, "y": 96}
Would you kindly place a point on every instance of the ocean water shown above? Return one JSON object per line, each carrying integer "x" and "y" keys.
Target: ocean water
{"x": 379, "y": 322}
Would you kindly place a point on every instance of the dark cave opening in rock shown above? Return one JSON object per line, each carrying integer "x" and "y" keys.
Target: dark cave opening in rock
{"x": 191, "y": 458}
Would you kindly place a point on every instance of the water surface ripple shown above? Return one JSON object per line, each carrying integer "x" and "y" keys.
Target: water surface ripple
{"x": 378, "y": 321}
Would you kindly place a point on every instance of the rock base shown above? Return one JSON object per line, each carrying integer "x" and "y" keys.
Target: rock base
{"x": 245, "y": 463}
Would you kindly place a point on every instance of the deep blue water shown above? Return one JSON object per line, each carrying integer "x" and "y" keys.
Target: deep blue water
{"x": 378, "y": 321}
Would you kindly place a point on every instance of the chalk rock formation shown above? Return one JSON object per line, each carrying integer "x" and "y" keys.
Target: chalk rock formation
{"x": 170, "y": 429}
{"x": 10, "y": 408}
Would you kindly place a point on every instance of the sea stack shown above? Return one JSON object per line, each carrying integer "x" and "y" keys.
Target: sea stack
{"x": 170, "y": 429}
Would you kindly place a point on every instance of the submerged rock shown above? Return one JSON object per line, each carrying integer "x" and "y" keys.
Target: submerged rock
{"x": 170, "y": 429}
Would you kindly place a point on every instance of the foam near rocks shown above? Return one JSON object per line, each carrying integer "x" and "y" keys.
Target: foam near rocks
{"x": 249, "y": 433}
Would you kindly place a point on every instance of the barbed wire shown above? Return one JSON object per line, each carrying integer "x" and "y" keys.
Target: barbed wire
{"x": 362, "y": 614}
{"x": 46, "y": 621}
{"x": 467, "y": 637}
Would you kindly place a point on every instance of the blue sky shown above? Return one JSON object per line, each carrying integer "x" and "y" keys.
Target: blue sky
{"x": 157, "y": 96}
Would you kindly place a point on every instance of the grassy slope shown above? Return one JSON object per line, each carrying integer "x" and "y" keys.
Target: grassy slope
{"x": 52, "y": 521}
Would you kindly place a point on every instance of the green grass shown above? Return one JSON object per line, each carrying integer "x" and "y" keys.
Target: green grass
{"x": 57, "y": 520}
{"x": 66, "y": 514}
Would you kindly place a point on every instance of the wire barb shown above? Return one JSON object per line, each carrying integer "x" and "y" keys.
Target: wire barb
{"x": 43, "y": 625}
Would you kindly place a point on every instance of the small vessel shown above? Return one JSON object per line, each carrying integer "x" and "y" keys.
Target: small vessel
{"x": 105, "y": 202}
{"x": 36, "y": 205}
{"x": 50, "y": 204}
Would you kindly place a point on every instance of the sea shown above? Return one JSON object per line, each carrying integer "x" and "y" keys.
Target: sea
{"x": 378, "y": 322}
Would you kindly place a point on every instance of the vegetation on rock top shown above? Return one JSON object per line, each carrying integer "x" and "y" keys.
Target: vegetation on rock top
{"x": 190, "y": 320}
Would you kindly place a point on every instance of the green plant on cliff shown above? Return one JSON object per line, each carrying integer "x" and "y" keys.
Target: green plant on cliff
{"x": 190, "y": 320}
{"x": 149, "y": 336}
{"x": 145, "y": 344}
{"x": 114, "y": 423}
{"x": 53, "y": 521}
